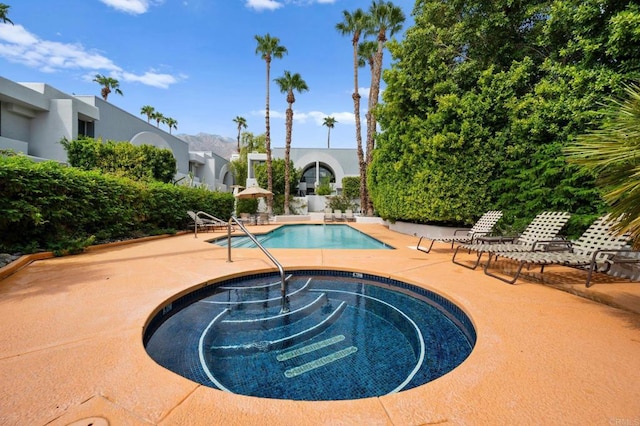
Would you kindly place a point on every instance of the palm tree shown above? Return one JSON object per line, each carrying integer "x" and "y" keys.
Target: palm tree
{"x": 268, "y": 48}
{"x": 385, "y": 17}
{"x": 330, "y": 122}
{"x": 242, "y": 123}
{"x": 4, "y": 11}
{"x": 158, "y": 117}
{"x": 107, "y": 84}
{"x": 354, "y": 24}
{"x": 171, "y": 122}
{"x": 612, "y": 153}
{"x": 287, "y": 84}
{"x": 147, "y": 110}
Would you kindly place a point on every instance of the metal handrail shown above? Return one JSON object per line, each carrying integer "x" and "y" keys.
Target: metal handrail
{"x": 283, "y": 287}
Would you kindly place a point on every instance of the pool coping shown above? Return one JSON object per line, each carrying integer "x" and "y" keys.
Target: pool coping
{"x": 73, "y": 342}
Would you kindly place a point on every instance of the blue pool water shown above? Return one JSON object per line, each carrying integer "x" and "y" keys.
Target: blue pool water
{"x": 347, "y": 336}
{"x": 309, "y": 236}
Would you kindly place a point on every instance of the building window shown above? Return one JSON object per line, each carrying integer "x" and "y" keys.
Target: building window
{"x": 86, "y": 128}
{"x": 310, "y": 179}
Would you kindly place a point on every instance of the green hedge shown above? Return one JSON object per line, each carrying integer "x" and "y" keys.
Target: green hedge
{"x": 47, "y": 206}
{"x": 351, "y": 186}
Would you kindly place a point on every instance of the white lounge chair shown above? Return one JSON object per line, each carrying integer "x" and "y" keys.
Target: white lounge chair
{"x": 204, "y": 221}
{"x": 597, "y": 249}
{"x": 542, "y": 230}
{"x": 483, "y": 226}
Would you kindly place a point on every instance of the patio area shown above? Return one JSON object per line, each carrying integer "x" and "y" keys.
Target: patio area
{"x": 71, "y": 352}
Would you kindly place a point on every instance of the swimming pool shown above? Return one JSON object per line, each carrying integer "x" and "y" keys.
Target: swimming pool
{"x": 309, "y": 236}
{"x": 347, "y": 336}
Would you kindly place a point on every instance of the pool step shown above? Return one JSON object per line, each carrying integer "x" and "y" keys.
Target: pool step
{"x": 285, "y": 338}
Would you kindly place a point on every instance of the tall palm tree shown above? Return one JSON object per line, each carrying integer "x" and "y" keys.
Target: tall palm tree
{"x": 171, "y": 122}
{"x": 354, "y": 24}
{"x": 242, "y": 123}
{"x": 158, "y": 117}
{"x": 4, "y": 11}
{"x": 268, "y": 48}
{"x": 611, "y": 152}
{"x": 330, "y": 122}
{"x": 287, "y": 84}
{"x": 107, "y": 84}
{"x": 385, "y": 18}
{"x": 147, "y": 110}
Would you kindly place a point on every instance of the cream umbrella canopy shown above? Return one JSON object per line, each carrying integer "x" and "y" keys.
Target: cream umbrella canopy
{"x": 254, "y": 192}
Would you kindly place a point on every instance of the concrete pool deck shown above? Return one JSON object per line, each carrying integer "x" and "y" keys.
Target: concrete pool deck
{"x": 71, "y": 342}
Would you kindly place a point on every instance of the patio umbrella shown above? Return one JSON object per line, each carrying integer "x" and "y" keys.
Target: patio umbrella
{"x": 254, "y": 192}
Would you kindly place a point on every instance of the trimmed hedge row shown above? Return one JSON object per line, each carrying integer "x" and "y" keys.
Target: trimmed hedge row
{"x": 47, "y": 206}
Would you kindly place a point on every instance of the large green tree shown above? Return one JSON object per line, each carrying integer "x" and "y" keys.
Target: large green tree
{"x": 354, "y": 24}
{"x": 289, "y": 83}
{"x": 241, "y": 123}
{"x": 385, "y": 19}
{"x": 107, "y": 84}
{"x": 147, "y": 110}
{"x": 330, "y": 122}
{"x": 4, "y": 13}
{"x": 481, "y": 99}
{"x": 249, "y": 143}
{"x": 268, "y": 48}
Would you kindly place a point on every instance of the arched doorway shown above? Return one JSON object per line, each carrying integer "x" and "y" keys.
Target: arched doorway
{"x": 312, "y": 175}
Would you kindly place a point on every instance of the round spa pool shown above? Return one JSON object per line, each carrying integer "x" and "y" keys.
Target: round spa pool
{"x": 346, "y": 336}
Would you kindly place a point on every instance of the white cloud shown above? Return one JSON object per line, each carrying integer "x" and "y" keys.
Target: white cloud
{"x": 20, "y": 46}
{"x": 317, "y": 117}
{"x": 260, "y": 5}
{"x": 149, "y": 78}
{"x": 134, "y": 7}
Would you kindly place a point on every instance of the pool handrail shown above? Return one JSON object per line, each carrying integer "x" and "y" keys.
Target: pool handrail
{"x": 283, "y": 287}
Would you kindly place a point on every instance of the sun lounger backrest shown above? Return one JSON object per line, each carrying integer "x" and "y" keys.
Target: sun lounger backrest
{"x": 485, "y": 224}
{"x": 600, "y": 236}
{"x": 544, "y": 227}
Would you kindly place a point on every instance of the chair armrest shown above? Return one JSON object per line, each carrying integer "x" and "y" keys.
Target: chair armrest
{"x": 617, "y": 257}
{"x": 475, "y": 235}
{"x": 461, "y": 230}
{"x": 497, "y": 239}
{"x": 552, "y": 245}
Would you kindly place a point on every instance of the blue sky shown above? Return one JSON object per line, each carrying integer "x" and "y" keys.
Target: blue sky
{"x": 195, "y": 60}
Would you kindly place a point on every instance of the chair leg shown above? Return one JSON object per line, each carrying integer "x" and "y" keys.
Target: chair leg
{"x": 424, "y": 250}
{"x": 474, "y": 266}
{"x": 592, "y": 267}
{"x": 508, "y": 281}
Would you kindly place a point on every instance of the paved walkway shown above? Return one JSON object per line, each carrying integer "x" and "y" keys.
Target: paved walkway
{"x": 71, "y": 342}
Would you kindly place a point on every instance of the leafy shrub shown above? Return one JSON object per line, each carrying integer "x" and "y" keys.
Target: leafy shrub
{"x": 351, "y": 186}
{"x": 324, "y": 188}
{"x": 47, "y": 206}
{"x": 340, "y": 202}
{"x": 142, "y": 162}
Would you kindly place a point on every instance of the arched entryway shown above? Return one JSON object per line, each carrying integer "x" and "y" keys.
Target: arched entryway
{"x": 312, "y": 175}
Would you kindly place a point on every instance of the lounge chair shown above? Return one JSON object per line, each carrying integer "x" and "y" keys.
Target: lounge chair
{"x": 247, "y": 219}
{"x": 348, "y": 215}
{"x": 483, "y": 226}
{"x": 328, "y": 215}
{"x": 263, "y": 218}
{"x": 337, "y": 215}
{"x": 598, "y": 247}
{"x": 204, "y": 221}
{"x": 542, "y": 230}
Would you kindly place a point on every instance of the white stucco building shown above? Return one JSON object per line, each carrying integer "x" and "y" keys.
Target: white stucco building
{"x": 35, "y": 117}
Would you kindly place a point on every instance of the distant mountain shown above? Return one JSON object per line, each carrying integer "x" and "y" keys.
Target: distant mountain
{"x": 219, "y": 145}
